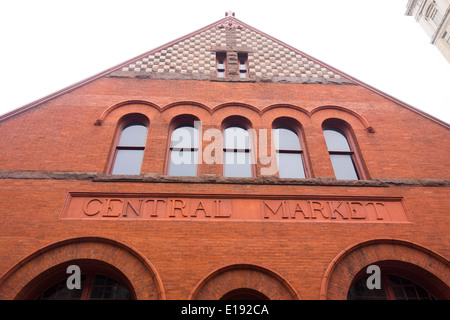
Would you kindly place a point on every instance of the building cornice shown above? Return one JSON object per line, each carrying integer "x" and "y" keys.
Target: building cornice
{"x": 218, "y": 179}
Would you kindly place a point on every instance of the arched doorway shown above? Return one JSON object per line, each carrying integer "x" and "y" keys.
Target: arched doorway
{"x": 119, "y": 265}
{"x": 411, "y": 266}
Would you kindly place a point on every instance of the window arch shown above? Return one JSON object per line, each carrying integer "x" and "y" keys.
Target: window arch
{"x": 237, "y": 148}
{"x": 289, "y": 147}
{"x": 184, "y": 147}
{"x": 342, "y": 148}
{"x": 129, "y": 145}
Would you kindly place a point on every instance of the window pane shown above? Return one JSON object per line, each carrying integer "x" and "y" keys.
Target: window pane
{"x": 128, "y": 162}
{"x": 185, "y": 136}
{"x": 286, "y": 139}
{"x": 183, "y": 163}
{"x": 336, "y": 140}
{"x": 237, "y": 164}
{"x": 405, "y": 289}
{"x": 236, "y": 138}
{"x": 133, "y": 135}
{"x": 343, "y": 167}
{"x": 360, "y": 291}
{"x": 107, "y": 288}
{"x": 290, "y": 165}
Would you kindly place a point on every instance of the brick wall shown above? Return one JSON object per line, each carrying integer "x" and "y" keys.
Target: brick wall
{"x": 60, "y": 136}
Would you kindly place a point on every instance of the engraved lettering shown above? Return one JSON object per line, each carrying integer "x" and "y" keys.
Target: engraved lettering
{"x": 92, "y": 210}
{"x": 154, "y": 212}
{"x": 149, "y": 207}
{"x": 336, "y": 209}
{"x": 200, "y": 207}
{"x": 274, "y": 212}
{"x": 135, "y": 209}
{"x": 218, "y": 212}
{"x": 113, "y": 210}
{"x": 357, "y": 210}
{"x": 299, "y": 209}
{"x": 377, "y": 213}
{"x": 180, "y": 208}
{"x": 319, "y": 209}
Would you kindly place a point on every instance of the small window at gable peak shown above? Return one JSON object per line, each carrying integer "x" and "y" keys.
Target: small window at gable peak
{"x": 221, "y": 63}
{"x": 243, "y": 65}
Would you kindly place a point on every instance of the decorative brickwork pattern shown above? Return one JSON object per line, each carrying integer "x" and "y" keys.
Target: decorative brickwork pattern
{"x": 197, "y": 55}
{"x": 192, "y": 55}
{"x": 227, "y": 279}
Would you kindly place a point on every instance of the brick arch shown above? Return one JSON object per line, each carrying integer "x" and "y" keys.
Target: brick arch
{"x": 243, "y": 276}
{"x": 140, "y": 273}
{"x": 349, "y": 262}
{"x": 347, "y": 111}
{"x": 187, "y": 103}
{"x": 286, "y": 106}
{"x": 236, "y": 104}
{"x": 106, "y": 112}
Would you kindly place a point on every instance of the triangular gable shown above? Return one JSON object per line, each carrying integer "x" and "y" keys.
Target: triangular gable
{"x": 194, "y": 57}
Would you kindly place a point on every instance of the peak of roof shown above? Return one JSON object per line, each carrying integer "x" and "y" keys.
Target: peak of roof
{"x": 194, "y": 57}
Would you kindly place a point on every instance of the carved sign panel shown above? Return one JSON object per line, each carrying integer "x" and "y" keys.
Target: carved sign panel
{"x": 89, "y": 206}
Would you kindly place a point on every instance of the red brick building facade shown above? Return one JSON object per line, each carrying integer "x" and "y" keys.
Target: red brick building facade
{"x": 88, "y": 177}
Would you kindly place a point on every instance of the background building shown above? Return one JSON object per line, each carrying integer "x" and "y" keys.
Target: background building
{"x": 90, "y": 176}
{"x": 434, "y": 17}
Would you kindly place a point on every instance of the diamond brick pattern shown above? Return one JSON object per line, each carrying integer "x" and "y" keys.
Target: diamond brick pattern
{"x": 274, "y": 60}
{"x": 192, "y": 55}
{"x": 196, "y": 55}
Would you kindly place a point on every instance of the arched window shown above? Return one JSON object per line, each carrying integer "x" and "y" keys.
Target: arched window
{"x": 93, "y": 287}
{"x": 98, "y": 281}
{"x": 341, "y": 154}
{"x": 184, "y": 145}
{"x": 129, "y": 149}
{"x": 237, "y": 152}
{"x": 393, "y": 287}
{"x": 347, "y": 163}
{"x": 289, "y": 153}
{"x": 398, "y": 281}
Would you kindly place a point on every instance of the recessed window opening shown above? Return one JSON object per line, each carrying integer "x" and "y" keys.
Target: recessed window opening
{"x": 243, "y": 65}
{"x": 129, "y": 151}
{"x": 237, "y": 160}
{"x": 184, "y": 150}
{"x": 221, "y": 64}
{"x": 342, "y": 156}
{"x": 289, "y": 153}
{"x": 446, "y": 37}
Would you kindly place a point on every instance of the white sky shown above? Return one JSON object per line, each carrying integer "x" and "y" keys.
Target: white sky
{"x": 49, "y": 45}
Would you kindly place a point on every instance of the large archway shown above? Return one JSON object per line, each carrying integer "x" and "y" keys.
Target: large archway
{"x": 406, "y": 259}
{"x": 243, "y": 281}
{"x": 112, "y": 258}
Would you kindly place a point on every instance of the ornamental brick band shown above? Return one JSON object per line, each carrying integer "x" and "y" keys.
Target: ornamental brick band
{"x": 89, "y": 206}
